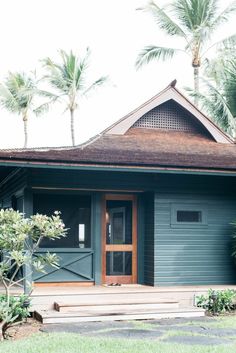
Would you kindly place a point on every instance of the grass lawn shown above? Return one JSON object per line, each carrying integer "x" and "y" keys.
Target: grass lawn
{"x": 74, "y": 343}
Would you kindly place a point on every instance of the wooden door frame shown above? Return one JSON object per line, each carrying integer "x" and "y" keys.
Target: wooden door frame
{"x": 121, "y": 197}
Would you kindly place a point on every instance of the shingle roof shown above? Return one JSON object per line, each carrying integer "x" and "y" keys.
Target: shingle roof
{"x": 141, "y": 147}
{"x": 123, "y": 145}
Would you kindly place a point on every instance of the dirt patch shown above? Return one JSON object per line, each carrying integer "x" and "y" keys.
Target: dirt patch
{"x": 24, "y": 330}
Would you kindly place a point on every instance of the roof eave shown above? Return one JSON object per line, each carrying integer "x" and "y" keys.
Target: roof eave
{"x": 116, "y": 167}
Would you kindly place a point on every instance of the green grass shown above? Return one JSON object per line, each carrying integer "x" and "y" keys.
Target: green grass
{"x": 74, "y": 343}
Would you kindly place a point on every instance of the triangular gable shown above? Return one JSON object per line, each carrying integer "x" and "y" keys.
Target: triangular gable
{"x": 168, "y": 94}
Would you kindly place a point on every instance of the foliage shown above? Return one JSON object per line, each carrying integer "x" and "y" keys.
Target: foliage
{"x": 19, "y": 240}
{"x": 217, "y": 301}
{"x": 218, "y": 91}
{"x": 68, "y": 79}
{"x": 18, "y": 306}
{"x": 194, "y": 22}
{"x": 18, "y": 93}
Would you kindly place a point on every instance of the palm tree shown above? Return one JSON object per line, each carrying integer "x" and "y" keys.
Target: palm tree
{"x": 68, "y": 79}
{"x": 17, "y": 95}
{"x": 218, "y": 94}
{"x": 194, "y": 22}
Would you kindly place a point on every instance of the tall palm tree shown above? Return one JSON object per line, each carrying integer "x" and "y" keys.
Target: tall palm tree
{"x": 68, "y": 79}
{"x": 17, "y": 95}
{"x": 193, "y": 21}
{"x": 218, "y": 91}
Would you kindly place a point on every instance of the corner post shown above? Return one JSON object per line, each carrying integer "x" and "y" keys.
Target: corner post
{"x": 97, "y": 236}
{"x": 28, "y": 211}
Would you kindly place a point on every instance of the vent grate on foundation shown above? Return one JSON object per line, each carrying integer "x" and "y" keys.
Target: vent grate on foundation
{"x": 168, "y": 116}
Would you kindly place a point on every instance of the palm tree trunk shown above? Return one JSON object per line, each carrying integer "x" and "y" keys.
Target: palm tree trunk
{"x": 25, "y": 120}
{"x": 72, "y": 128}
{"x": 196, "y": 84}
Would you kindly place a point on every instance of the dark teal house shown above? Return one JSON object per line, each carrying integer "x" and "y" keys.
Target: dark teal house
{"x": 150, "y": 200}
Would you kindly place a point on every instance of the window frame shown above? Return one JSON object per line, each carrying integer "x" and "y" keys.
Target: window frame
{"x": 175, "y": 207}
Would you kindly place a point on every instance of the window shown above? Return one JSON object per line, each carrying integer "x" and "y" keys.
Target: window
{"x": 76, "y": 214}
{"x": 188, "y": 215}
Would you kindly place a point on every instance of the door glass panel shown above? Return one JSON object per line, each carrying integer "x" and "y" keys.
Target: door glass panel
{"x": 119, "y": 222}
{"x": 119, "y": 263}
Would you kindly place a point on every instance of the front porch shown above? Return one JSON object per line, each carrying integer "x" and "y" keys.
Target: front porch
{"x": 74, "y": 303}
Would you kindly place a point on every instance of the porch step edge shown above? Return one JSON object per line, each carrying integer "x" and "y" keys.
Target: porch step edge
{"x": 53, "y": 318}
{"x": 72, "y": 306}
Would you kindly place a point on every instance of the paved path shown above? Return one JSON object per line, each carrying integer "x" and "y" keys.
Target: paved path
{"x": 184, "y": 331}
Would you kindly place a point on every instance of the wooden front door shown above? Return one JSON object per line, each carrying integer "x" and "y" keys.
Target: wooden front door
{"x": 119, "y": 239}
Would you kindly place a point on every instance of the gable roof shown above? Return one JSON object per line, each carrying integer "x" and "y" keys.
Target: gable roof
{"x": 120, "y": 146}
{"x": 169, "y": 93}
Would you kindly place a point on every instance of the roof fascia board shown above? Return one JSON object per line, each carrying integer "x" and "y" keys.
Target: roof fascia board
{"x": 139, "y": 169}
{"x": 169, "y": 93}
{"x": 121, "y": 127}
{"x": 218, "y": 135}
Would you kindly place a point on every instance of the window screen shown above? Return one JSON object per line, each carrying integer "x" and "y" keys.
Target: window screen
{"x": 76, "y": 214}
{"x": 189, "y": 216}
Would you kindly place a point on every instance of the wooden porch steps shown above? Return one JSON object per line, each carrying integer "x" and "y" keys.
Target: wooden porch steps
{"x": 114, "y": 307}
{"x": 110, "y": 306}
{"x": 55, "y": 317}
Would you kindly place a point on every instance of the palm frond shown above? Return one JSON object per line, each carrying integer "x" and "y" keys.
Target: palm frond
{"x": 163, "y": 20}
{"x": 214, "y": 104}
{"x": 95, "y": 84}
{"x": 182, "y": 9}
{"x": 228, "y": 44}
{"x": 55, "y": 76}
{"x": 224, "y": 15}
{"x": 17, "y": 92}
{"x": 150, "y": 53}
{"x": 7, "y": 100}
{"x": 42, "y": 109}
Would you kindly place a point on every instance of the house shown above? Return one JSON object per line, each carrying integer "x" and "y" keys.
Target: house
{"x": 150, "y": 200}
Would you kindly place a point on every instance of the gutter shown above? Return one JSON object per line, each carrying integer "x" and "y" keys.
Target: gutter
{"x": 100, "y": 167}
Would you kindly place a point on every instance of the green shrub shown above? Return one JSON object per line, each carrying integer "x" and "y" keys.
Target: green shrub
{"x": 18, "y": 307}
{"x": 217, "y": 302}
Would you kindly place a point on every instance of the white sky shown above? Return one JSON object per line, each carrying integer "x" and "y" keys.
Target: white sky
{"x": 115, "y": 32}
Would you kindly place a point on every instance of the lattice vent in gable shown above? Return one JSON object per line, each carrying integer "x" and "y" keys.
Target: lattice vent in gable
{"x": 168, "y": 116}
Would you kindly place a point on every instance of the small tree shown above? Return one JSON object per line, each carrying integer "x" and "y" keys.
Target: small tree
{"x": 68, "y": 78}
{"x": 19, "y": 240}
{"x": 18, "y": 93}
{"x": 194, "y": 22}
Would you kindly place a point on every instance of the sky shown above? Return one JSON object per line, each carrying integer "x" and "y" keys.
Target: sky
{"x": 115, "y": 32}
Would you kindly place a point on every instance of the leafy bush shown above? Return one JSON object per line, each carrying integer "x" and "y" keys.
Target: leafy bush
{"x": 20, "y": 239}
{"x": 17, "y": 306}
{"x": 217, "y": 301}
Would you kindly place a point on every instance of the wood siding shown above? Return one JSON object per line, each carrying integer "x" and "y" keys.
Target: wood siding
{"x": 194, "y": 255}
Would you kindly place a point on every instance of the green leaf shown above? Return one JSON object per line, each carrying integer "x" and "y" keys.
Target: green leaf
{"x": 164, "y": 21}
{"x": 150, "y": 53}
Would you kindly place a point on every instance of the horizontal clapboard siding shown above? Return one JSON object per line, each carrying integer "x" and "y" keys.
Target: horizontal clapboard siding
{"x": 194, "y": 255}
